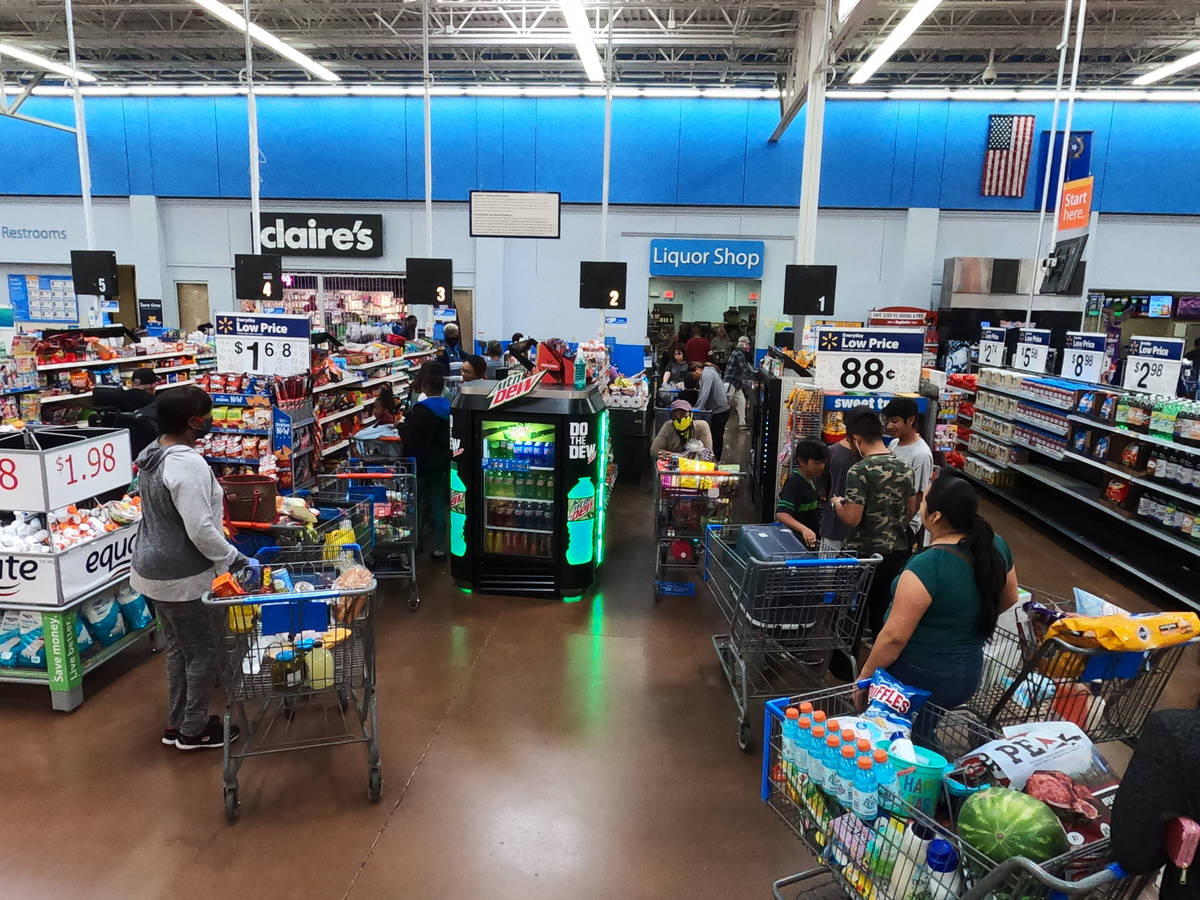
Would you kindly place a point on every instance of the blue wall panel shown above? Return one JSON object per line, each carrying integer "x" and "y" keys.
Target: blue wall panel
{"x": 455, "y": 131}
{"x": 37, "y": 159}
{"x": 1151, "y": 159}
{"x": 712, "y": 152}
{"x": 183, "y": 143}
{"x": 519, "y": 139}
{"x": 772, "y": 170}
{"x": 645, "y": 151}
{"x": 929, "y": 152}
{"x": 138, "y": 159}
{"x": 489, "y": 144}
{"x": 570, "y": 148}
{"x": 857, "y": 160}
{"x": 233, "y": 152}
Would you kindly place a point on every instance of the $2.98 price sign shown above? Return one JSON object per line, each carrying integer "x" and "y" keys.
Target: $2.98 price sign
{"x": 1153, "y": 365}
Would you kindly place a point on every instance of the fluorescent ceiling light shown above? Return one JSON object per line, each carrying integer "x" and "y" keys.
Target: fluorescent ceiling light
{"x": 264, "y": 37}
{"x": 894, "y": 41}
{"x": 585, "y": 40}
{"x": 42, "y": 62}
{"x": 1184, "y": 62}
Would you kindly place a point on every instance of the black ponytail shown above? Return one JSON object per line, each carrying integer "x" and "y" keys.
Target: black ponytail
{"x": 956, "y": 500}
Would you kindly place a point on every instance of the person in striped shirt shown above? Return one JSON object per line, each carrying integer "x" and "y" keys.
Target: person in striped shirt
{"x": 798, "y": 506}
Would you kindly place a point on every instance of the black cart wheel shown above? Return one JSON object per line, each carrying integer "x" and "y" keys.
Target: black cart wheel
{"x": 375, "y": 785}
{"x": 414, "y": 599}
{"x": 745, "y": 744}
{"x": 231, "y": 804}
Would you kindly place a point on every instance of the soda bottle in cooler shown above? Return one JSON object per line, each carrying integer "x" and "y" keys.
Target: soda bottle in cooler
{"x": 458, "y": 514}
{"x": 581, "y": 522}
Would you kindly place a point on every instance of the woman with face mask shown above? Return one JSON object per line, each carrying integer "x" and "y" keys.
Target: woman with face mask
{"x": 946, "y": 600}
{"x": 180, "y": 549}
{"x": 680, "y": 430}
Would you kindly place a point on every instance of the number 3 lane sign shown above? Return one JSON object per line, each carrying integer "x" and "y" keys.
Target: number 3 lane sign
{"x": 876, "y": 360}
{"x": 1153, "y": 365}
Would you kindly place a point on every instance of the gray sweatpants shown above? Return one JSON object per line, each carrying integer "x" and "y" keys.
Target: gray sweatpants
{"x": 192, "y": 659}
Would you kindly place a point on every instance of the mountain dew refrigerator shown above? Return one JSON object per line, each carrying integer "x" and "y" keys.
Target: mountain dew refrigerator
{"x": 527, "y": 490}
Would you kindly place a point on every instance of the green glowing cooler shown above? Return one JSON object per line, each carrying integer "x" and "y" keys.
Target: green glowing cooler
{"x": 527, "y": 490}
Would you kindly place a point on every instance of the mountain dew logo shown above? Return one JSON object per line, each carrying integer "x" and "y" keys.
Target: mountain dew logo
{"x": 581, "y": 522}
{"x": 458, "y": 501}
{"x": 582, "y": 509}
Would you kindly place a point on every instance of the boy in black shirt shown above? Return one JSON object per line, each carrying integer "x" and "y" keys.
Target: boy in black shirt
{"x": 798, "y": 502}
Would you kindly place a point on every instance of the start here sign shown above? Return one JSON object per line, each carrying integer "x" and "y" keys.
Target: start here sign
{"x": 1075, "y": 207}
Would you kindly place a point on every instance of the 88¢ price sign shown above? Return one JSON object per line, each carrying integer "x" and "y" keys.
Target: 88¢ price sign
{"x": 875, "y": 360}
{"x": 262, "y": 345}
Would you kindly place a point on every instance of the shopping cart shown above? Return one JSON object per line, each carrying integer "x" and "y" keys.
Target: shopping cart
{"x": 299, "y": 665}
{"x": 390, "y": 483}
{"x": 787, "y": 616}
{"x": 685, "y": 503}
{"x": 342, "y": 518}
{"x": 1107, "y": 693}
{"x": 854, "y": 859}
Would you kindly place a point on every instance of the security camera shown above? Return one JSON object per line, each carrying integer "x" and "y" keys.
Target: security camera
{"x": 989, "y": 71}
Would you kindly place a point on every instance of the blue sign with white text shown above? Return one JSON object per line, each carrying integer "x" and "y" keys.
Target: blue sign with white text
{"x": 251, "y": 325}
{"x": 843, "y": 402}
{"x": 1157, "y": 348}
{"x": 1080, "y": 340}
{"x": 868, "y": 341}
{"x": 695, "y": 258}
{"x": 996, "y": 335}
{"x": 1037, "y": 336}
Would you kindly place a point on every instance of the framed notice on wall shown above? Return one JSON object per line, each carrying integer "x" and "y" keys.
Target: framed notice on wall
{"x": 43, "y": 298}
{"x": 516, "y": 214}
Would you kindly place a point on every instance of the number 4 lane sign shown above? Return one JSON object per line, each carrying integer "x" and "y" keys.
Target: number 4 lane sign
{"x": 878, "y": 360}
{"x": 1153, "y": 365}
{"x": 1083, "y": 356}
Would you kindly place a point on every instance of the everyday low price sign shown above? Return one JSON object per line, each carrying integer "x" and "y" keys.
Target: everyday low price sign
{"x": 1083, "y": 356}
{"x": 1153, "y": 365}
{"x": 879, "y": 360}
{"x": 1033, "y": 350}
{"x": 992, "y": 346}
{"x": 262, "y": 345}
{"x": 515, "y": 386}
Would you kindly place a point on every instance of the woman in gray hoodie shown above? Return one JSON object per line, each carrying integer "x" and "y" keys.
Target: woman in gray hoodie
{"x": 180, "y": 549}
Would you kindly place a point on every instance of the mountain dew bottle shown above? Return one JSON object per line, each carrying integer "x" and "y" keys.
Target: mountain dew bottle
{"x": 581, "y": 522}
{"x": 458, "y": 514}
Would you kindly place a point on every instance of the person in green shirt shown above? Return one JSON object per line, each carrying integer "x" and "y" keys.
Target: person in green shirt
{"x": 947, "y": 599}
{"x": 798, "y": 506}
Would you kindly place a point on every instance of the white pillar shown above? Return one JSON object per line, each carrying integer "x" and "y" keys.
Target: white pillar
{"x": 252, "y": 128}
{"x": 146, "y": 248}
{"x": 918, "y": 263}
{"x": 85, "y": 166}
{"x": 426, "y": 80}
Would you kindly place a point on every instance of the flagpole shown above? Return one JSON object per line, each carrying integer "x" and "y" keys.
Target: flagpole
{"x": 1037, "y": 249}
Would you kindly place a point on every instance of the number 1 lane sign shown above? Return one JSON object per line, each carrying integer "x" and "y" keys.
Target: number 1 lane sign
{"x": 877, "y": 360}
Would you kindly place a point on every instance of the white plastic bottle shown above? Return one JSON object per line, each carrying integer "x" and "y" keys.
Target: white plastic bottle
{"x": 945, "y": 882}
{"x": 910, "y": 861}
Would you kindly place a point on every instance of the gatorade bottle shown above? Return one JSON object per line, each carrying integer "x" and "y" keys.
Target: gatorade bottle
{"x": 863, "y": 746}
{"x": 803, "y": 742}
{"x": 458, "y": 514}
{"x": 581, "y": 522}
{"x": 885, "y": 781}
{"x": 818, "y": 717}
{"x": 846, "y": 775}
{"x": 833, "y": 768}
{"x": 865, "y": 799}
{"x": 806, "y": 709}
{"x": 788, "y": 750}
{"x": 580, "y": 371}
{"x": 816, "y": 756}
{"x": 848, "y": 737}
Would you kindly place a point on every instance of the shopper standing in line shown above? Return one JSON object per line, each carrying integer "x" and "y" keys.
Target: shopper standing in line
{"x": 878, "y": 504}
{"x": 842, "y": 456}
{"x": 739, "y": 379}
{"x": 180, "y": 549}
{"x": 426, "y": 435}
{"x": 719, "y": 349}
{"x": 675, "y": 365}
{"x": 900, "y": 414}
{"x": 697, "y": 347}
{"x": 711, "y": 386}
{"x": 474, "y": 368}
{"x": 452, "y": 354}
{"x": 797, "y": 507}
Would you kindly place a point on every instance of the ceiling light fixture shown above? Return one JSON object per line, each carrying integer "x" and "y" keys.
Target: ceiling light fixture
{"x": 264, "y": 37}
{"x": 1155, "y": 75}
{"x": 894, "y": 41}
{"x": 42, "y": 62}
{"x": 585, "y": 40}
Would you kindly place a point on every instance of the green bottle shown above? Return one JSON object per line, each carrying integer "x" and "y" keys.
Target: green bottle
{"x": 458, "y": 514}
{"x": 581, "y": 522}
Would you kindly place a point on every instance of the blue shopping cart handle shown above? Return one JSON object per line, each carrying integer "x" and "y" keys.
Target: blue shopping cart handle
{"x": 813, "y": 561}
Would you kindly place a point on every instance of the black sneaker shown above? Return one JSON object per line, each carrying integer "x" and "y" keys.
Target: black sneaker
{"x": 438, "y": 555}
{"x": 213, "y": 736}
{"x": 170, "y": 736}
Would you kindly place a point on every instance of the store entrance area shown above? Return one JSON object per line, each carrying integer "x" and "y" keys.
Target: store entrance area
{"x": 676, "y": 303}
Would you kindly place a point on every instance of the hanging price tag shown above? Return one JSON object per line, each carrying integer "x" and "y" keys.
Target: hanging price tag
{"x": 991, "y": 347}
{"x": 1033, "y": 350}
{"x": 1153, "y": 365}
{"x": 88, "y": 468}
{"x": 262, "y": 345}
{"x": 1083, "y": 356}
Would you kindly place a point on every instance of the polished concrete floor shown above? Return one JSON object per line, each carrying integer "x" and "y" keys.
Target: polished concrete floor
{"x": 530, "y": 749}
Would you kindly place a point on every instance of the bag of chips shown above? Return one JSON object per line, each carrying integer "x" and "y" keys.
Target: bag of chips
{"x": 892, "y": 706}
{"x": 1137, "y": 632}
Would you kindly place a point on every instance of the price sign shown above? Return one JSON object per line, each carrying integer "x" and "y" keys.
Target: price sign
{"x": 991, "y": 347}
{"x": 1153, "y": 365}
{"x": 877, "y": 360}
{"x": 515, "y": 386}
{"x": 1033, "y": 349}
{"x": 1083, "y": 356}
{"x": 87, "y": 468}
{"x": 262, "y": 345}
{"x": 22, "y": 485}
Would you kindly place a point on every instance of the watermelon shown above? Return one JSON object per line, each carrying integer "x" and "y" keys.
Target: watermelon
{"x": 1001, "y": 824}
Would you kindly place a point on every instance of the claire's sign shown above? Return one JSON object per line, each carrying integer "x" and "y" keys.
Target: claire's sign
{"x": 322, "y": 234}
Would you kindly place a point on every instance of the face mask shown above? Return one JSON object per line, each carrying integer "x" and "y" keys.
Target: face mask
{"x": 203, "y": 428}
{"x": 683, "y": 424}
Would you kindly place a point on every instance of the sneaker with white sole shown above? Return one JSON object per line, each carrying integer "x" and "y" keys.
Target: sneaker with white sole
{"x": 170, "y": 736}
{"x": 213, "y": 736}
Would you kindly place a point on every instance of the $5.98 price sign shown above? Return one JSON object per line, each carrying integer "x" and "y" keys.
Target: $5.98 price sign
{"x": 40, "y": 481}
{"x": 881, "y": 360}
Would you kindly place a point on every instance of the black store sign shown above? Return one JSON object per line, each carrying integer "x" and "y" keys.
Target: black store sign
{"x": 322, "y": 234}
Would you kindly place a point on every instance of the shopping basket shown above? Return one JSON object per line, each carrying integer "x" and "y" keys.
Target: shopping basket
{"x": 685, "y": 503}
{"x": 1107, "y": 693}
{"x": 787, "y": 616}
{"x": 280, "y": 703}
{"x": 854, "y": 857}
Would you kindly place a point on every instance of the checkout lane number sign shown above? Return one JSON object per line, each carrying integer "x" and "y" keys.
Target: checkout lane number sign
{"x": 1153, "y": 365}
{"x": 875, "y": 360}
{"x": 262, "y": 345}
{"x": 1083, "y": 356}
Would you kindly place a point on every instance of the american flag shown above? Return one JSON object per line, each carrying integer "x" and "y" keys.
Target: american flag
{"x": 1006, "y": 161}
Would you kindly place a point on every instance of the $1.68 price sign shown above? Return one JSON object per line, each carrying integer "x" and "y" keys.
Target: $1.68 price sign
{"x": 262, "y": 345}
{"x": 876, "y": 360}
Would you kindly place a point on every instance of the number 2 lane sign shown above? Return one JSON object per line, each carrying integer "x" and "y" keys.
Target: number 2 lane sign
{"x": 877, "y": 360}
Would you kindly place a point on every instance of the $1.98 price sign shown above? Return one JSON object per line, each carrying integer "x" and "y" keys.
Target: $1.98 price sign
{"x": 875, "y": 360}
{"x": 40, "y": 481}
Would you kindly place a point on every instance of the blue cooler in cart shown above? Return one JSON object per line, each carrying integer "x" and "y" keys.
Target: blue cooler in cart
{"x": 771, "y": 602}
{"x": 767, "y": 542}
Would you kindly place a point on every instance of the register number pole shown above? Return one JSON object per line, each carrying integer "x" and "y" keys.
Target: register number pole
{"x": 85, "y": 166}
{"x": 814, "y": 136}
{"x": 252, "y": 117}
{"x": 428, "y": 135}
{"x": 1066, "y": 144}
{"x": 607, "y": 146}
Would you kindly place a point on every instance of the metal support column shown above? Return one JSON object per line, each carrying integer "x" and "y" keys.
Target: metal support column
{"x": 252, "y": 119}
{"x": 426, "y": 81}
{"x": 814, "y": 136}
{"x": 85, "y": 166}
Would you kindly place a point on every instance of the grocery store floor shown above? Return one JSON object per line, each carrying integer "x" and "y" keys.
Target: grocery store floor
{"x": 530, "y": 750}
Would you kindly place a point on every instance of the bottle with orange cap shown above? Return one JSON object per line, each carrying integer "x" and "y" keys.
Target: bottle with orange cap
{"x": 788, "y": 743}
{"x": 833, "y": 765}
{"x": 865, "y": 792}
{"x": 846, "y": 771}
{"x": 816, "y": 756}
{"x": 887, "y": 785}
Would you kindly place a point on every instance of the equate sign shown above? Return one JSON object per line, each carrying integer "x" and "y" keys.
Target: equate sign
{"x": 1076, "y": 206}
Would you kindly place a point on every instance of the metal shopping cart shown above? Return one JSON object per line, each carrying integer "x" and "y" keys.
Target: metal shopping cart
{"x": 685, "y": 503}
{"x": 391, "y": 485}
{"x": 343, "y": 517}
{"x": 1107, "y": 693}
{"x": 787, "y": 616}
{"x": 299, "y": 665}
{"x": 854, "y": 858}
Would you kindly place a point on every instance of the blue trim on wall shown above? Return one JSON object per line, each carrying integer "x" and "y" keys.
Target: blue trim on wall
{"x": 878, "y": 154}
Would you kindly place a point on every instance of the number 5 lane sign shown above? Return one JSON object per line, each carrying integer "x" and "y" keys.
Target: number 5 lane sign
{"x": 1153, "y": 365}
{"x": 1083, "y": 356}
{"x": 875, "y": 360}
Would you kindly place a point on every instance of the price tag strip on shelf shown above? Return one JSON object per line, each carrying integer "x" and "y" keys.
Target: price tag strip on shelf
{"x": 1033, "y": 350}
{"x": 1153, "y": 365}
{"x": 1083, "y": 356}
{"x": 262, "y": 345}
{"x": 880, "y": 360}
{"x": 991, "y": 346}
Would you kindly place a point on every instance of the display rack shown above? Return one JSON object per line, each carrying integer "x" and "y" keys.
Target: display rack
{"x": 294, "y": 443}
{"x": 42, "y": 471}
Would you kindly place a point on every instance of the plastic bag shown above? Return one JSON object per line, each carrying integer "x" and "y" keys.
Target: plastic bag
{"x": 10, "y": 638}
{"x": 1144, "y": 632}
{"x": 83, "y": 638}
{"x": 133, "y": 608}
{"x": 103, "y": 618}
{"x": 33, "y": 642}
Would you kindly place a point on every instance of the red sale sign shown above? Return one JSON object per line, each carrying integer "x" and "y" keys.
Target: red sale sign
{"x": 514, "y": 387}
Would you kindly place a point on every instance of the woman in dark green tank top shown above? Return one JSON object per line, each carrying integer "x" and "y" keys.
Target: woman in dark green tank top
{"x": 946, "y": 600}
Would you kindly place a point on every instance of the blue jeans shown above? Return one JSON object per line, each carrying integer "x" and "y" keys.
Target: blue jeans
{"x": 950, "y": 678}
